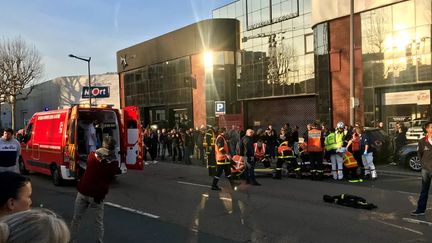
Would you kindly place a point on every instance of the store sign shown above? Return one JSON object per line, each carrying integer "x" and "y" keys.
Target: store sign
{"x": 220, "y": 108}
{"x": 96, "y": 92}
{"x": 418, "y": 97}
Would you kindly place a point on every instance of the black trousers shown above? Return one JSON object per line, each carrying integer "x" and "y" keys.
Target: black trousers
{"x": 223, "y": 168}
{"x": 316, "y": 160}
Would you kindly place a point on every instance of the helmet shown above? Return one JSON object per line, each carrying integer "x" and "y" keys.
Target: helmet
{"x": 340, "y": 125}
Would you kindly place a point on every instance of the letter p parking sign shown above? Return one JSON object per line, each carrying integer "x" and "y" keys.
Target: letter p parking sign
{"x": 220, "y": 108}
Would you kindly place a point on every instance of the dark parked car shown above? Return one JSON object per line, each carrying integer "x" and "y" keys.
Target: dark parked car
{"x": 408, "y": 155}
{"x": 382, "y": 144}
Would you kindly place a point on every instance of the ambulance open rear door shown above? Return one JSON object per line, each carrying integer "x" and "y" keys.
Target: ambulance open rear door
{"x": 133, "y": 142}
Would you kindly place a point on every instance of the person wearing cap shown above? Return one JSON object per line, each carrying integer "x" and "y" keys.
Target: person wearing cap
{"x": 102, "y": 166}
{"x": 425, "y": 155}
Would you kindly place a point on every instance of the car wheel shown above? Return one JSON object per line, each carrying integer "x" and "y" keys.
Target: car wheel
{"x": 414, "y": 162}
{"x": 21, "y": 167}
{"x": 56, "y": 177}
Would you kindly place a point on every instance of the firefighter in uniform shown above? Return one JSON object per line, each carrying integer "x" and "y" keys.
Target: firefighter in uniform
{"x": 286, "y": 154}
{"x": 223, "y": 160}
{"x": 209, "y": 146}
{"x": 315, "y": 141}
{"x": 260, "y": 150}
{"x": 333, "y": 144}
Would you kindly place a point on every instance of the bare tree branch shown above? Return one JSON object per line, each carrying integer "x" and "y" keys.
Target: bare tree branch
{"x": 20, "y": 66}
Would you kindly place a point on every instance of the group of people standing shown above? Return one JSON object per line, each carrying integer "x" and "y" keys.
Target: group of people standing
{"x": 320, "y": 143}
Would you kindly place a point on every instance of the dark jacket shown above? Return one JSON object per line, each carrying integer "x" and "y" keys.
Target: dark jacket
{"x": 246, "y": 146}
{"x": 425, "y": 153}
{"x": 97, "y": 177}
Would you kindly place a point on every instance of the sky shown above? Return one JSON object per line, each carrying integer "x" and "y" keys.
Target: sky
{"x": 94, "y": 28}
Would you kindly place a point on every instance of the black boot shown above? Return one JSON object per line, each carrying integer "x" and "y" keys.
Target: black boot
{"x": 214, "y": 185}
{"x": 233, "y": 184}
{"x": 278, "y": 175}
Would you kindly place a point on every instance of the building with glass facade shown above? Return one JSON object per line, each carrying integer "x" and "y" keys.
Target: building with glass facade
{"x": 275, "y": 76}
{"x": 393, "y": 72}
{"x": 177, "y": 78}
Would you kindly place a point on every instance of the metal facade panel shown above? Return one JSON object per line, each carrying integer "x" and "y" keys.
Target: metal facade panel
{"x": 296, "y": 111}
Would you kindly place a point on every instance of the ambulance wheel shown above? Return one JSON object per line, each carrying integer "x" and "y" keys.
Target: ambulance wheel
{"x": 56, "y": 177}
{"x": 21, "y": 167}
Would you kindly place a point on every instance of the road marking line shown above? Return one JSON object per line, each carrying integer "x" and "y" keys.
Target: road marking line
{"x": 400, "y": 227}
{"x": 225, "y": 199}
{"x": 193, "y": 184}
{"x": 408, "y": 193}
{"x": 416, "y": 221}
{"x": 132, "y": 210}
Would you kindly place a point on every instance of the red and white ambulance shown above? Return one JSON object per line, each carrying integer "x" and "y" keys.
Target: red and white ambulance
{"x": 53, "y": 142}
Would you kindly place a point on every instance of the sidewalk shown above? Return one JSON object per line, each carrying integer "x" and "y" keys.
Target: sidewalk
{"x": 382, "y": 169}
{"x": 398, "y": 170}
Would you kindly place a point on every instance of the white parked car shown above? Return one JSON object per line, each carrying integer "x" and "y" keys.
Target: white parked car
{"x": 415, "y": 132}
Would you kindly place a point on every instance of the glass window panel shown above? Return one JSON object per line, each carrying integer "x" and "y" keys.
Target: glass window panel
{"x": 265, "y": 3}
{"x": 216, "y": 13}
{"x": 424, "y": 68}
{"x": 265, "y": 14}
{"x": 423, "y": 12}
{"x": 423, "y": 39}
{"x": 276, "y": 11}
{"x": 307, "y": 21}
{"x": 231, "y": 10}
{"x": 368, "y": 96}
{"x": 306, "y": 6}
{"x": 298, "y": 23}
{"x": 298, "y": 44}
{"x": 309, "y": 43}
{"x": 253, "y": 5}
{"x": 239, "y": 8}
{"x": 286, "y": 8}
{"x": 405, "y": 9}
{"x": 223, "y": 13}
{"x": 256, "y": 17}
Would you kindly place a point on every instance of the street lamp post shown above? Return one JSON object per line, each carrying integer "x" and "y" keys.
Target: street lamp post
{"x": 89, "y": 78}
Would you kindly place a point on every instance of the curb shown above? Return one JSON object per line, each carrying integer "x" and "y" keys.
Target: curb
{"x": 399, "y": 173}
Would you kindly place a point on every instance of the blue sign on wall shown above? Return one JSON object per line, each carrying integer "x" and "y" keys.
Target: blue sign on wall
{"x": 220, "y": 107}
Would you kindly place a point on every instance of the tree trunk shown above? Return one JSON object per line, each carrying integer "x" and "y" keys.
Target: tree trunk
{"x": 13, "y": 107}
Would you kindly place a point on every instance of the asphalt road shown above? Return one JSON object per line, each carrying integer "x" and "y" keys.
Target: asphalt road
{"x": 173, "y": 203}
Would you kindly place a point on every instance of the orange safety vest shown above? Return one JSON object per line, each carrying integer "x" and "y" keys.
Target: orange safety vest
{"x": 355, "y": 142}
{"x": 239, "y": 165}
{"x": 349, "y": 161}
{"x": 284, "y": 151}
{"x": 259, "y": 152}
{"x": 221, "y": 157}
{"x": 314, "y": 141}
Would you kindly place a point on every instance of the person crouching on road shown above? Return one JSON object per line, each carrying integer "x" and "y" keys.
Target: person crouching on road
{"x": 247, "y": 151}
{"x": 102, "y": 166}
{"x": 223, "y": 159}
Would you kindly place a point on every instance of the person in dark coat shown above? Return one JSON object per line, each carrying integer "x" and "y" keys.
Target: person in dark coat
{"x": 425, "y": 155}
